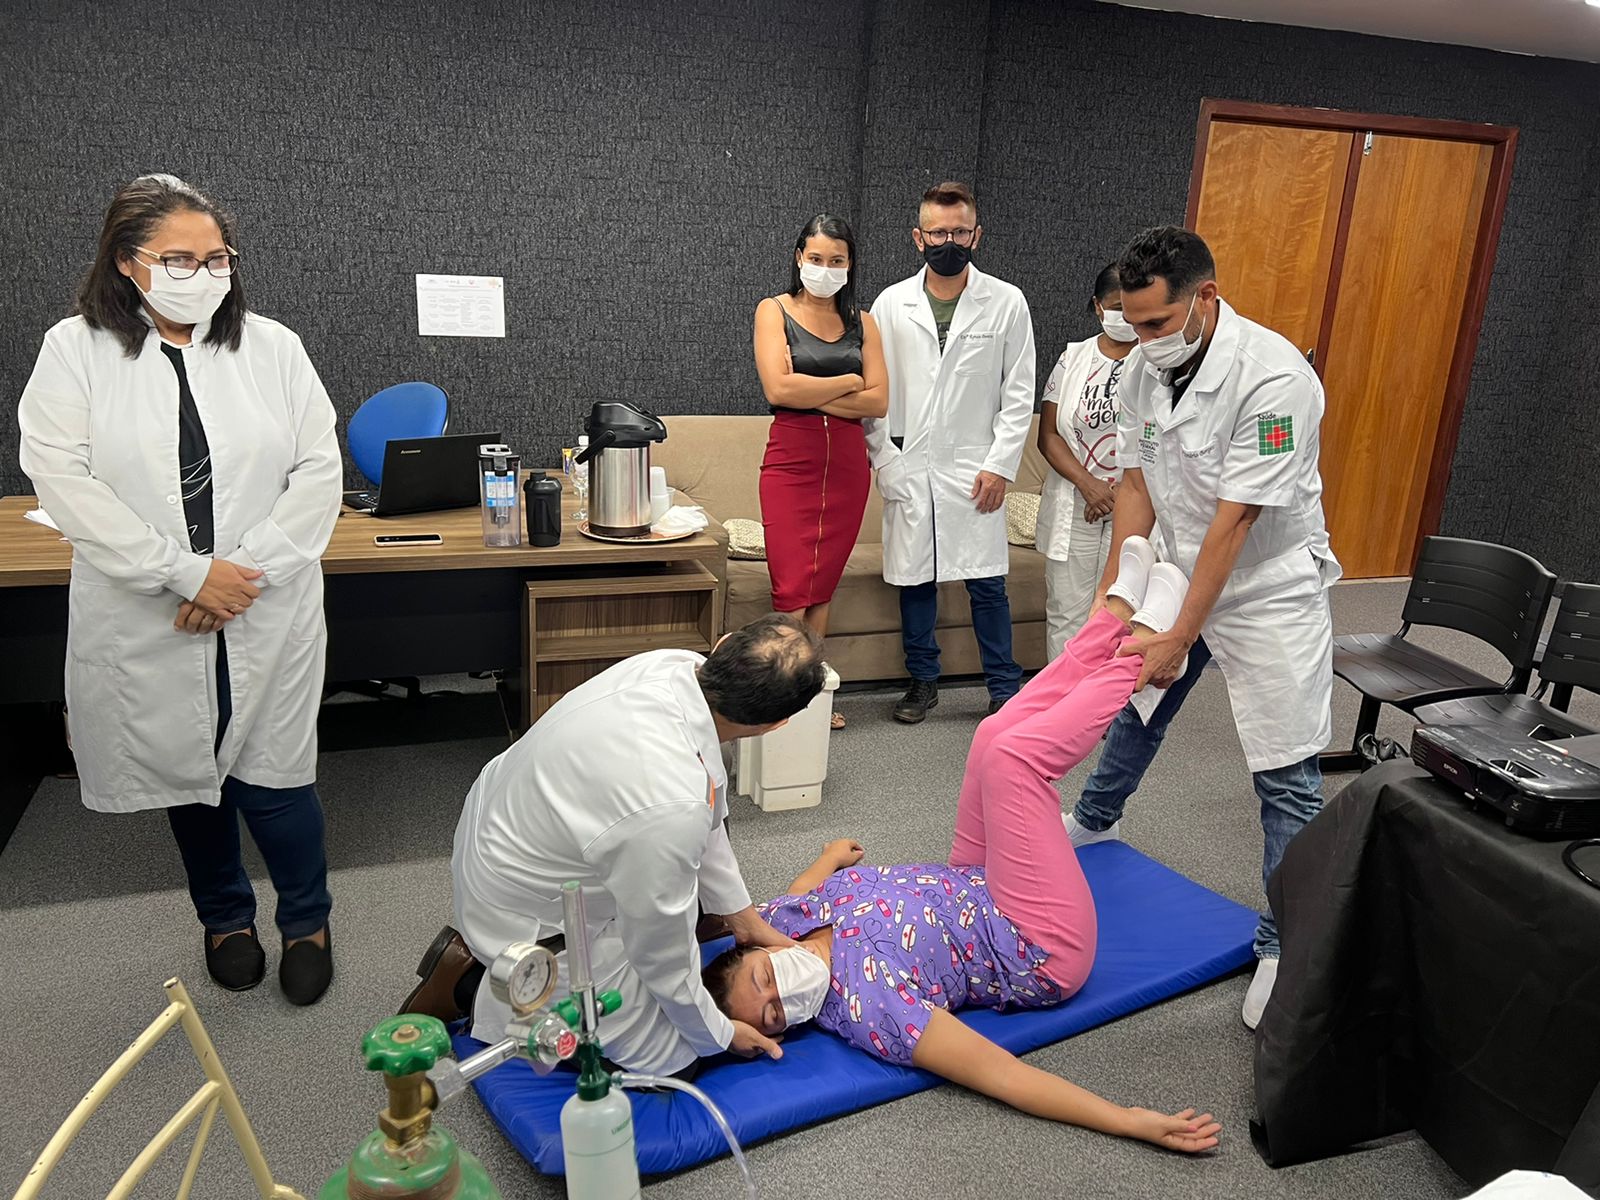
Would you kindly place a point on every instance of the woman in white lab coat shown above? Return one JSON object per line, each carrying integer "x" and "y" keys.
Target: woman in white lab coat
{"x": 186, "y": 448}
{"x": 1078, "y": 438}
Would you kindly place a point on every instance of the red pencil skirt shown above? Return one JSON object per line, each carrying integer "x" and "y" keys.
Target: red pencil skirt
{"x": 814, "y": 482}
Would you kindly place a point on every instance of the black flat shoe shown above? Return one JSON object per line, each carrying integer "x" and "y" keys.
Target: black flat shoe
{"x": 306, "y": 970}
{"x": 239, "y": 963}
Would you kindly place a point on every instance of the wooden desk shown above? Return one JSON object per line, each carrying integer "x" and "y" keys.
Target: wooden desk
{"x": 32, "y": 555}
{"x": 396, "y": 612}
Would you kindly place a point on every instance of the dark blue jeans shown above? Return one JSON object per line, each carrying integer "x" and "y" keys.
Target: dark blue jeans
{"x": 286, "y": 824}
{"x": 1290, "y": 796}
{"x": 991, "y": 621}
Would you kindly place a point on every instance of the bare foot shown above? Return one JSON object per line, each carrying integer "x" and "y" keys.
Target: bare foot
{"x": 837, "y": 722}
{"x": 218, "y": 938}
{"x": 1141, "y": 634}
{"x": 1119, "y": 608}
{"x": 320, "y": 937}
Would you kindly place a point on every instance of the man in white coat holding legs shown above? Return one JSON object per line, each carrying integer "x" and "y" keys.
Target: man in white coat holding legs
{"x": 959, "y": 348}
{"x": 1219, "y": 432}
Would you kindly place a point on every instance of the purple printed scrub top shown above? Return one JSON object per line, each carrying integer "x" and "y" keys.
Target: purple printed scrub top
{"x": 909, "y": 939}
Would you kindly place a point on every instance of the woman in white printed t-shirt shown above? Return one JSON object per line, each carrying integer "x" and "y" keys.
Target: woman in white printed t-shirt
{"x": 1078, "y": 438}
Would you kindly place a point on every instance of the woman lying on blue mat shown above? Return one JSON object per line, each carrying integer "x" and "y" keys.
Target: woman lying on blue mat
{"x": 885, "y": 954}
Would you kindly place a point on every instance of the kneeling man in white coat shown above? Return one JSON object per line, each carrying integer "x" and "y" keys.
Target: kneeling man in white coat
{"x": 621, "y": 787}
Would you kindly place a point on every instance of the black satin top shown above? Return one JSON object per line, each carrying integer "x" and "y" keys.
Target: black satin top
{"x": 812, "y": 355}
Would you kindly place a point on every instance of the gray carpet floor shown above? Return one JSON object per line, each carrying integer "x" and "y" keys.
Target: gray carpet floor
{"x": 93, "y": 916}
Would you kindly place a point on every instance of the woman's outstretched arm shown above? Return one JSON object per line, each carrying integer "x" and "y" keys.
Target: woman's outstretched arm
{"x": 949, "y": 1048}
{"x": 835, "y": 856}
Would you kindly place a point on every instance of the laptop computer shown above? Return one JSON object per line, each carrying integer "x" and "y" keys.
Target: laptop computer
{"x": 425, "y": 475}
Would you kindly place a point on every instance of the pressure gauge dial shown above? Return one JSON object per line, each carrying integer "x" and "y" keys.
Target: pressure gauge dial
{"x": 523, "y": 977}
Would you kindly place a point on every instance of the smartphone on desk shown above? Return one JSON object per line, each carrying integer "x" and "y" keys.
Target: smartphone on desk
{"x": 408, "y": 539}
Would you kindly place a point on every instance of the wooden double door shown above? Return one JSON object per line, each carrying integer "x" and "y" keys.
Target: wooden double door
{"x": 1368, "y": 242}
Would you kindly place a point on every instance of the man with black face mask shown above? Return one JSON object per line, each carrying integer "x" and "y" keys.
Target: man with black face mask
{"x": 958, "y": 345}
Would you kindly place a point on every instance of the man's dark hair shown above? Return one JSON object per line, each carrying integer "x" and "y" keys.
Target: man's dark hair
{"x": 837, "y": 228}
{"x": 1179, "y": 256}
{"x": 718, "y": 975}
{"x": 108, "y": 300}
{"x": 950, "y": 192}
{"x": 765, "y": 672}
{"x": 1107, "y": 283}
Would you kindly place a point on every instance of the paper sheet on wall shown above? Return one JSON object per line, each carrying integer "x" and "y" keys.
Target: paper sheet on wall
{"x": 461, "y": 306}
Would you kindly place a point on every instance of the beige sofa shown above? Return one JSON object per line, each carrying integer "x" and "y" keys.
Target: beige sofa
{"x": 716, "y": 462}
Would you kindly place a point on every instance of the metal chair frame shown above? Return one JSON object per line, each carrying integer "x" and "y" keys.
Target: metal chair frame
{"x": 216, "y": 1092}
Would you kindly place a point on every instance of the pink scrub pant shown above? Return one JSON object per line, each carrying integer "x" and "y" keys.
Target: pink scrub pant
{"x": 1009, "y": 818}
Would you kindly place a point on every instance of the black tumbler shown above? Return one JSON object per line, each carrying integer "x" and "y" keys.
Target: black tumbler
{"x": 543, "y": 506}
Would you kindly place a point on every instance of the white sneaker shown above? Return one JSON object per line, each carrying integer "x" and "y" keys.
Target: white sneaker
{"x": 1165, "y": 587}
{"x": 1133, "y": 570}
{"x": 1255, "y": 1000}
{"x": 1082, "y": 837}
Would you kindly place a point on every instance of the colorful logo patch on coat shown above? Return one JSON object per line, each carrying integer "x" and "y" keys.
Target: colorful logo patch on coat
{"x": 1274, "y": 435}
{"x": 1147, "y": 445}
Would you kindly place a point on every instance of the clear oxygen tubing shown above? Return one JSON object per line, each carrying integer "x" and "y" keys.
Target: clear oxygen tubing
{"x": 629, "y": 1079}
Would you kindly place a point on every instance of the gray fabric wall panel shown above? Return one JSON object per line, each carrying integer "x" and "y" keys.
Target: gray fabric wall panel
{"x": 637, "y": 172}
{"x": 918, "y": 132}
{"x": 1556, "y": 498}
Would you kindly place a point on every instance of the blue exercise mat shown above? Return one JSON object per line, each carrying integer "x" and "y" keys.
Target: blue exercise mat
{"x": 1160, "y": 934}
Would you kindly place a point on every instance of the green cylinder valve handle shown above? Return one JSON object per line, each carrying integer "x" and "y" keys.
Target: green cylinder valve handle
{"x": 405, "y": 1045}
{"x": 408, "y": 1156}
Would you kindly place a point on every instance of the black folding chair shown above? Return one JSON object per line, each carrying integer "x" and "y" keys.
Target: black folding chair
{"x": 1571, "y": 659}
{"x": 1494, "y": 593}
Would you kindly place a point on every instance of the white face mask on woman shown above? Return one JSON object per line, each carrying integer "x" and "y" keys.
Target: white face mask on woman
{"x": 1116, "y": 326}
{"x": 185, "y": 301}
{"x": 802, "y": 981}
{"x": 1172, "y": 351}
{"x": 821, "y": 281}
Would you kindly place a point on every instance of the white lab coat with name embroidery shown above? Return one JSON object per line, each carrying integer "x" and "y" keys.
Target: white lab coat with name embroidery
{"x": 619, "y": 786}
{"x": 100, "y": 443}
{"x": 965, "y": 410}
{"x": 1247, "y": 430}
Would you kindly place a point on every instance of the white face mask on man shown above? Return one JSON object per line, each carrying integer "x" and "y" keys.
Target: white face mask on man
{"x": 1172, "y": 351}
{"x": 802, "y": 981}
{"x": 822, "y": 281}
{"x": 185, "y": 301}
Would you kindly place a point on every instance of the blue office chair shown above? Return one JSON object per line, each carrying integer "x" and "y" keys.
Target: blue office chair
{"x": 406, "y": 410}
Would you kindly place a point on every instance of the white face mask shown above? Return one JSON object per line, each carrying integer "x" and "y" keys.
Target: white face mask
{"x": 1116, "y": 326}
{"x": 821, "y": 281}
{"x": 802, "y": 980}
{"x": 1172, "y": 351}
{"x": 185, "y": 301}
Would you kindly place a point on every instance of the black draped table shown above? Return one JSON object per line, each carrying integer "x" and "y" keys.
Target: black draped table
{"x": 1440, "y": 973}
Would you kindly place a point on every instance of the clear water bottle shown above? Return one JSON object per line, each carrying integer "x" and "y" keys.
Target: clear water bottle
{"x": 498, "y": 469}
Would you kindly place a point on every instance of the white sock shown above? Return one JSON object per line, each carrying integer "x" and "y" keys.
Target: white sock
{"x": 1138, "y": 556}
{"x": 1163, "y": 601}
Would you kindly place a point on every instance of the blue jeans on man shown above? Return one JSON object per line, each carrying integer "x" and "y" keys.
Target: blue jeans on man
{"x": 1290, "y": 796}
{"x": 991, "y": 622}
